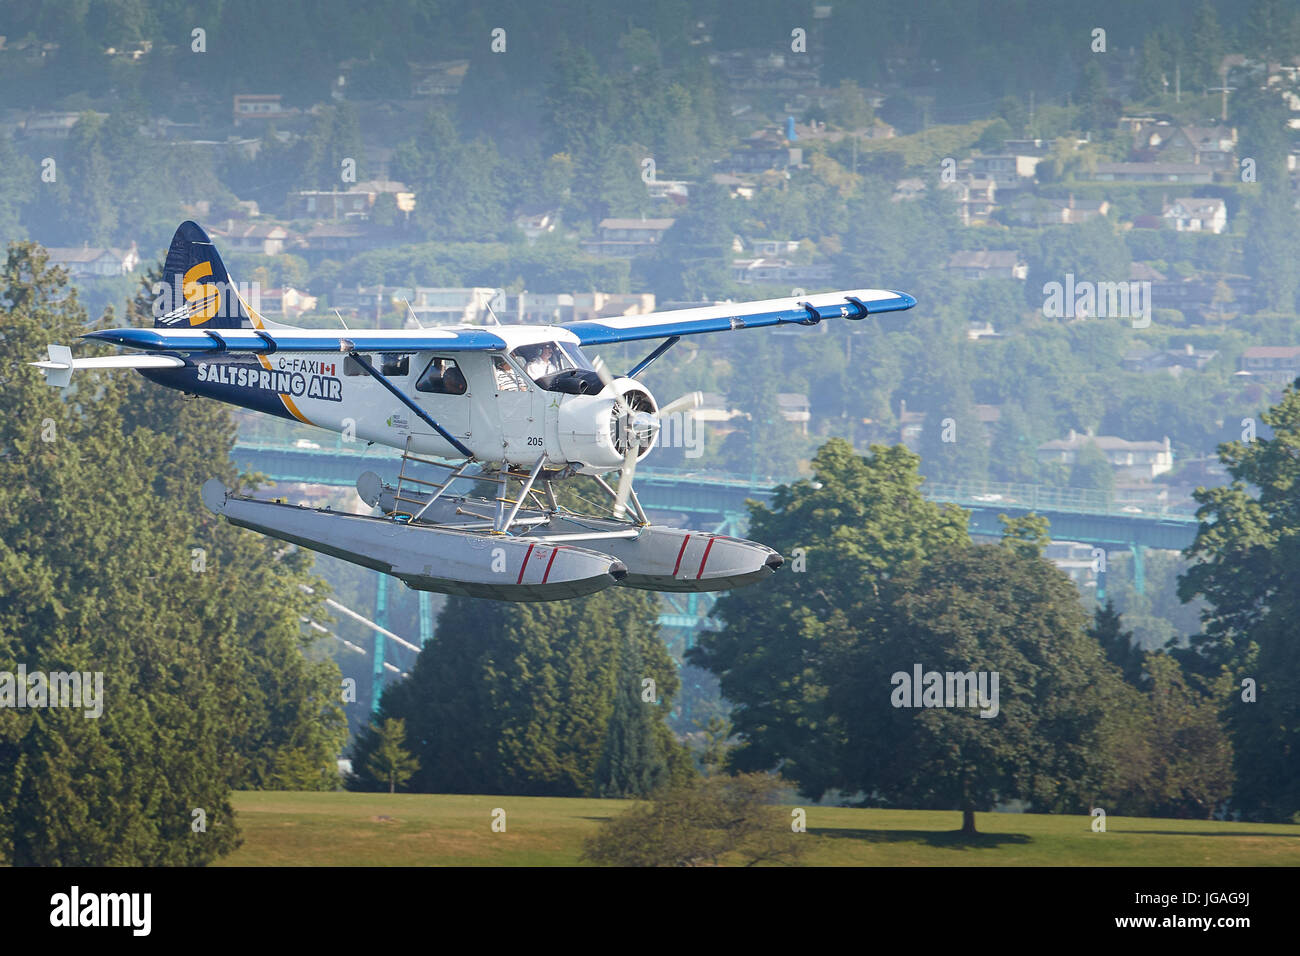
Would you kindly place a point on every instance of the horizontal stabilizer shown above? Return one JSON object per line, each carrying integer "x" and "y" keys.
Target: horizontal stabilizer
{"x": 60, "y": 366}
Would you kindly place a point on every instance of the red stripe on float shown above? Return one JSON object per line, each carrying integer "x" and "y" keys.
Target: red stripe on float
{"x": 520, "y": 579}
{"x": 680, "y": 552}
{"x": 707, "y": 549}
{"x": 554, "y": 552}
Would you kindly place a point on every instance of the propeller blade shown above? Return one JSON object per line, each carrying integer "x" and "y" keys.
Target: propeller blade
{"x": 688, "y": 402}
{"x": 601, "y": 370}
{"x": 625, "y": 479}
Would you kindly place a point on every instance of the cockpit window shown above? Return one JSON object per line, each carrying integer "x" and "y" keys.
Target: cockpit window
{"x": 443, "y": 377}
{"x": 396, "y": 363}
{"x": 576, "y": 357}
{"x": 544, "y": 358}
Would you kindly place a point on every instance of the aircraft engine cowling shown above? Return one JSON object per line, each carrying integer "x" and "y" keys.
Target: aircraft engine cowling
{"x": 595, "y": 430}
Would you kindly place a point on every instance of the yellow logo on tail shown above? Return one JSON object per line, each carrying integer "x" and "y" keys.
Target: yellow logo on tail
{"x": 204, "y": 296}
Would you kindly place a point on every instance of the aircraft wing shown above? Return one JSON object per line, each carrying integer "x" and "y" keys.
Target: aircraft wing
{"x": 802, "y": 310}
{"x": 300, "y": 340}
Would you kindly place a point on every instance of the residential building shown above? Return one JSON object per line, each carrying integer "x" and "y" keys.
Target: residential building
{"x": 1274, "y": 363}
{"x": 1173, "y": 361}
{"x": 1132, "y": 460}
{"x": 795, "y": 408}
{"x": 438, "y": 79}
{"x": 1045, "y": 211}
{"x": 1151, "y": 173}
{"x": 765, "y": 270}
{"x": 260, "y": 107}
{"x": 287, "y": 301}
{"x": 627, "y": 237}
{"x": 1005, "y": 167}
{"x": 1196, "y": 215}
{"x": 908, "y": 189}
{"x": 1165, "y": 142}
{"x": 537, "y": 224}
{"x": 355, "y": 202}
{"x": 94, "y": 261}
{"x": 257, "y": 238}
{"x": 988, "y": 264}
{"x": 976, "y": 198}
{"x": 677, "y": 190}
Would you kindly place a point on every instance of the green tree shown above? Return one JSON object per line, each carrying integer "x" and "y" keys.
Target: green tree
{"x": 1026, "y": 535}
{"x": 1039, "y": 734}
{"x": 518, "y": 698}
{"x": 855, "y": 523}
{"x": 709, "y": 822}
{"x": 390, "y": 759}
{"x": 1243, "y": 564}
{"x": 1092, "y": 470}
{"x": 127, "y": 601}
{"x": 632, "y": 763}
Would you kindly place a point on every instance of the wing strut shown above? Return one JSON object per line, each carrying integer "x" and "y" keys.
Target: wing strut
{"x": 402, "y": 397}
{"x": 642, "y": 365}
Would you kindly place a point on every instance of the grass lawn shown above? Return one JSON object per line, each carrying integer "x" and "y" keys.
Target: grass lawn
{"x": 364, "y": 829}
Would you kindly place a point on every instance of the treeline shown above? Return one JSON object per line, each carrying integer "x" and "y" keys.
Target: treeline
{"x": 823, "y": 666}
{"x": 566, "y": 698}
{"x": 110, "y": 565}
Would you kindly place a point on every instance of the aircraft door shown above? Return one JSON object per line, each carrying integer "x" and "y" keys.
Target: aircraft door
{"x": 443, "y": 391}
{"x": 522, "y": 427}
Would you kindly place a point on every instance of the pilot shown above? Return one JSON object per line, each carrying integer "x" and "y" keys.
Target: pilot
{"x": 543, "y": 362}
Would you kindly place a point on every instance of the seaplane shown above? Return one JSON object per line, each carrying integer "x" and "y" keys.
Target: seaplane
{"x": 521, "y": 407}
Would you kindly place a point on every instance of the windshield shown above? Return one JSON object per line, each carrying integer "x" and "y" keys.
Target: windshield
{"x": 544, "y": 358}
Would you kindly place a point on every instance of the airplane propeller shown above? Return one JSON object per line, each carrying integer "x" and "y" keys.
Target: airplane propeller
{"x": 638, "y": 426}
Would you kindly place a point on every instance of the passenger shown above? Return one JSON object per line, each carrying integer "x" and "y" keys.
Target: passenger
{"x": 507, "y": 378}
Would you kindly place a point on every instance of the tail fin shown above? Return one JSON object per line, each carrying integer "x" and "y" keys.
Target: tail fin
{"x": 200, "y": 293}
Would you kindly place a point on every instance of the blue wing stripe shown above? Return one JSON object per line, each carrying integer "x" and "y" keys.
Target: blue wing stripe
{"x": 249, "y": 340}
{"x": 800, "y": 312}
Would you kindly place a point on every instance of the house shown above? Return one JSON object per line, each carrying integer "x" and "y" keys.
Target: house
{"x": 94, "y": 261}
{"x": 678, "y": 190}
{"x": 766, "y": 149}
{"x": 714, "y": 409}
{"x": 1132, "y": 460}
{"x": 976, "y": 198}
{"x": 339, "y": 239}
{"x": 737, "y": 186}
{"x": 1005, "y": 167}
{"x": 795, "y": 408}
{"x": 627, "y": 237}
{"x": 257, "y": 238}
{"x": 438, "y": 79}
{"x": 905, "y": 190}
{"x": 552, "y": 308}
{"x": 1196, "y": 215}
{"x": 537, "y": 224}
{"x": 435, "y": 305}
{"x": 774, "y": 247}
{"x": 988, "y": 264}
{"x": 1164, "y": 142}
{"x": 365, "y": 302}
{"x": 356, "y": 202}
{"x": 1151, "y": 173}
{"x": 1044, "y": 211}
{"x": 52, "y": 124}
{"x": 1205, "y": 296}
{"x": 1274, "y": 363}
{"x": 1173, "y": 361}
{"x": 765, "y": 270}
{"x": 260, "y": 107}
{"x": 286, "y": 301}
